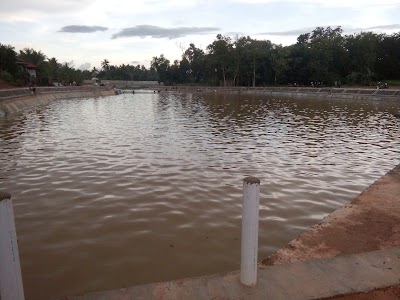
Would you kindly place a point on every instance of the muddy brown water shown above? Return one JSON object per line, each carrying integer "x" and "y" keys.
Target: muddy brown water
{"x": 132, "y": 189}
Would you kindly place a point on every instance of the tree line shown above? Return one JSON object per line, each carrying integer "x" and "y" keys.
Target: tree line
{"x": 50, "y": 71}
{"x": 324, "y": 55}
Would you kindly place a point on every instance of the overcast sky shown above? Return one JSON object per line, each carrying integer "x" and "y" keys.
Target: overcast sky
{"x": 85, "y": 32}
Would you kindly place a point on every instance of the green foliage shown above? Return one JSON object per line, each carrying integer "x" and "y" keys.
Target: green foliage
{"x": 393, "y": 82}
{"x": 220, "y": 56}
{"x": 322, "y": 55}
{"x": 6, "y": 76}
{"x": 8, "y": 59}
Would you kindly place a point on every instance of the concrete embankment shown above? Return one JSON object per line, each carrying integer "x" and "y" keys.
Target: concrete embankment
{"x": 16, "y": 100}
{"x": 356, "y": 249}
{"x": 298, "y": 92}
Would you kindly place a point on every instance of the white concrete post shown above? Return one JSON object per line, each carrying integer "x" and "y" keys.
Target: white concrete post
{"x": 250, "y": 216}
{"x": 10, "y": 270}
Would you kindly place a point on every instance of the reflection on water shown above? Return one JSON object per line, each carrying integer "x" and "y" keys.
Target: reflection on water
{"x": 133, "y": 189}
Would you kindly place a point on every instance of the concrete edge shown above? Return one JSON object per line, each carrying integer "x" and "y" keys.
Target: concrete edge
{"x": 314, "y": 279}
{"x": 18, "y": 104}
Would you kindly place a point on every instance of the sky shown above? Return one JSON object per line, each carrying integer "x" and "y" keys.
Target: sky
{"x": 85, "y": 32}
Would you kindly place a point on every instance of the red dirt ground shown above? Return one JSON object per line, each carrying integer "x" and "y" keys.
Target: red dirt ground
{"x": 5, "y": 85}
{"x": 390, "y": 293}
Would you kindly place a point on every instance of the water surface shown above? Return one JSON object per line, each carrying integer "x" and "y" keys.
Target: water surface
{"x": 132, "y": 189}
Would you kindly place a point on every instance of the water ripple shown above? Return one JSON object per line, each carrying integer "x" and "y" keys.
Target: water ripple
{"x": 124, "y": 190}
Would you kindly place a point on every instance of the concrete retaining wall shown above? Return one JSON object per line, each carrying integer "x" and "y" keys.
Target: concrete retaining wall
{"x": 20, "y": 92}
{"x": 300, "y": 92}
{"x": 126, "y": 83}
{"x": 11, "y": 103}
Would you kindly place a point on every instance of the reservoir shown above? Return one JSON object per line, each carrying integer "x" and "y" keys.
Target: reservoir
{"x": 137, "y": 188}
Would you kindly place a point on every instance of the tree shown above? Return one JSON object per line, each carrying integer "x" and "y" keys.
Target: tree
{"x": 327, "y": 54}
{"x": 105, "y": 64}
{"x": 363, "y": 51}
{"x": 251, "y": 60}
{"x": 37, "y": 58}
{"x": 161, "y": 66}
{"x": 196, "y": 60}
{"x": 8, "y": 59}
{"x": 388, "y": 56}
{"x": 52, "y": 69}
{"x": 280, "y": 63}
{"x": 220, "y": 52}
{"x": 298, "y": 64}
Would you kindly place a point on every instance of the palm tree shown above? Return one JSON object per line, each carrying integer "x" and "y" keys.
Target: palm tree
{"x": 53, "y": 68}
{"x": 105, "y": 64}
{"x": 35, "y": 57}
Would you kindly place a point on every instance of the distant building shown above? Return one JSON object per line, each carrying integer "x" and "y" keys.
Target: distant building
{"x": 27, "y": 66}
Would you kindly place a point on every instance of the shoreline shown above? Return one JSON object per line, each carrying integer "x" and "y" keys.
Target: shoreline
{"x": 302, "y": 92}
{"x": 15, "y": 100}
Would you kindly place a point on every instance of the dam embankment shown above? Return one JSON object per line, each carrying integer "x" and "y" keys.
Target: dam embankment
{"x": 16, "y": 100}
{"x": 301, "y": 92}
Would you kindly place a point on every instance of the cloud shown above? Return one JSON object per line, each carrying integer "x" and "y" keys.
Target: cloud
{"x": 295, "y": 32}
{"x": 46, "y": 6}
{"x": 160, "y": 32}
{"x": 387, "y": 27}
{"x": 82, "y": 29}
{"x": 336, "y": 3}
{"x": 85, "y": 66}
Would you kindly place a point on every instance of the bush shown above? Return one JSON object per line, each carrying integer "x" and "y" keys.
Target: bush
{"x": 392, "y": 82}
{"x": 6, "y": 76}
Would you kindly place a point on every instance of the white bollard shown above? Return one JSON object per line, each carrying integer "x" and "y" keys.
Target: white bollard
{"x": 10, "y": 270}
{"x": 250, "y": 216}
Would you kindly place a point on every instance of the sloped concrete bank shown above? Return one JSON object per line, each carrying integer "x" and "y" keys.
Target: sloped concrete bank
{"x": 299, "y": 92}
{"x": 13, "y": 101}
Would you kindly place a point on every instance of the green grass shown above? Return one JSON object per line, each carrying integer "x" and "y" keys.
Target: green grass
{"x": 393, "y": 82}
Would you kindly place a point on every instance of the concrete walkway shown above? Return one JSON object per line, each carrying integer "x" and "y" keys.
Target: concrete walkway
{"x": 314, "y": 279}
